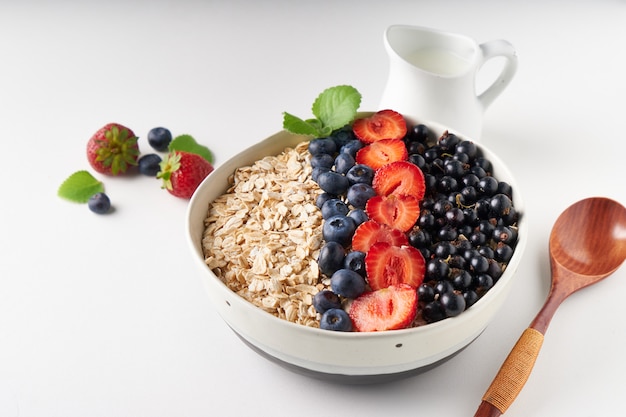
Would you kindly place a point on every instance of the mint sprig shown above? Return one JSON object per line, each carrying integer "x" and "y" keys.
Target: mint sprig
{"x": 186, "y": 143}
{"x": 334, "y": 108}
{"x": 79, "y": 186}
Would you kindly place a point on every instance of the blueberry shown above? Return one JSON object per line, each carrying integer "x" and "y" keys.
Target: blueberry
{"x": 342, "y": 137}
{"x": 322, "y": 198}
{"x": 336, "y": 319}
{"x": 358, "y": 194}
{"x": 323, "y": 160}
{"x": 99, "y": 203}
{"x": 359, "y": 216}
{"x": 347, "y": 283}
{"x": 331, "y": 258}
{"x": 339, "y": 229}
{"x": 317, "y": 171}
{"x": 334, "y": 207}
{"x": 149, "y": 164}
{"x": 352, "y": 147}
{"x": 343, "y": 163}
{"x": 355, "y": 261}
{"x": 322, "y": 145}
{"x": 159, "y": 138}
{"x": 332, "y": 182}
{"x": 325, "y": 300}
{"x": 360, "y": 174}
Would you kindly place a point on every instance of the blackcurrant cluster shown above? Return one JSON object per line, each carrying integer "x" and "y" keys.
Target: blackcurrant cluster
{"x": 467, "y": 228}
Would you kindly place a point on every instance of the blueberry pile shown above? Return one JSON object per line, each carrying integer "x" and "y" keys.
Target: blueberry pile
{"x": 466, "y": 230}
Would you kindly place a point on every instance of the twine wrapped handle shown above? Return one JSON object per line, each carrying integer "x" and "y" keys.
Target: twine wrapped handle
{"x": 512, "y": 376}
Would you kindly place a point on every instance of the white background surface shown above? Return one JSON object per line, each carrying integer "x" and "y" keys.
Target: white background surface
{"x": 106, "y": 315}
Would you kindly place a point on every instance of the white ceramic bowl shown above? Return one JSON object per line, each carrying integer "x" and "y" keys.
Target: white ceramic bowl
{"x": 344, "y": 357}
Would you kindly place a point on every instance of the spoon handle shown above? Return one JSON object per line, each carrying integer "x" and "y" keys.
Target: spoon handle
{"x": 512, "y": 375}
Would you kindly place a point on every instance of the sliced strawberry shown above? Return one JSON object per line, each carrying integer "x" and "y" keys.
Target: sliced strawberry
{"x": 389, "y": 308}
{"x": 385, "y": 124}
{"x": 396, "y": 211}
{"x": 401, "y": 177}
{"x": 387, "y": 265}
{"x": 370, "y": 232}
{"x": 382, "y": 152}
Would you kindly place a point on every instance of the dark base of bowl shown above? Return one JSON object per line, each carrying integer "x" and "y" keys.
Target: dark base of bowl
{"x": 351, "y": 379}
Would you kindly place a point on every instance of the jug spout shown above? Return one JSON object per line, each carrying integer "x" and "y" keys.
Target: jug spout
{"x": 432, "y": 77}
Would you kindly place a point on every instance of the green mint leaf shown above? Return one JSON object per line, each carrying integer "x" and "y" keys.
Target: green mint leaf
{"x": 322, "y": 131}
{"x": 298, "y": 126}
{"x": 79, "y": 186}
{"x": 186, "y": 143}
{"x": 336, "y": 106}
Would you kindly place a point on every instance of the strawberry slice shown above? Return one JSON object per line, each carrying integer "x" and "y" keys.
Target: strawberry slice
{"x": 387, "y": 265}
{"x": 389, "y": 308}
{"x": 385, "y": 124}
{"x": 396, "y": 211}
{"x": 382, "y": 152}
{"x": 370, "y": 232}
{"x": 401, "y": 177}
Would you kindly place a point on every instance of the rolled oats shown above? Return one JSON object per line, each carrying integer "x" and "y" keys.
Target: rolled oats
{"x": 263, "y": 236}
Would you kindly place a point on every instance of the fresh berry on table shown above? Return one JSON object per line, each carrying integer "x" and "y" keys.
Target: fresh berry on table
{"x": 99, "y": 203}
{"x": 149, "y": 164}
{"x": 159, "y": 138}
{"x": 112, "y": 149}
{"x": 182, "y": 172}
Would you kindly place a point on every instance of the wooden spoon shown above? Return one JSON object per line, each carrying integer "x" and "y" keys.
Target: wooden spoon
{"x": 587, "y": 244}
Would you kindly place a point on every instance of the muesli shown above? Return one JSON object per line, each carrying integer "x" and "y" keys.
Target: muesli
{"x": 263, "y": 236}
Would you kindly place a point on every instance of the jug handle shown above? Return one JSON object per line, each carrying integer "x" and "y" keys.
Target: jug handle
{"x": 493, "y": 49}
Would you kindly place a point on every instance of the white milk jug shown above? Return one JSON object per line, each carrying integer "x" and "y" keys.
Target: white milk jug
{"x": 432, "y": 76}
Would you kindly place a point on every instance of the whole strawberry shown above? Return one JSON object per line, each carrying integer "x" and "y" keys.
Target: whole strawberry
{"x": 112, "y": 149}
{"x": 182, "y": 172}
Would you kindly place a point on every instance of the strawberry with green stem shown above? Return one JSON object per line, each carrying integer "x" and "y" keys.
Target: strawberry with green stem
{"x": 182, "y": 172}
{"x": 112, "y": 149}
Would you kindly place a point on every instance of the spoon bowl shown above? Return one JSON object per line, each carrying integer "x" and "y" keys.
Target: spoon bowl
{"x": 589, "y": 240}
{"x": 587, "y": 244}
